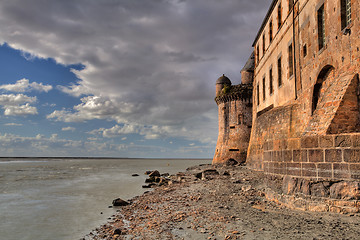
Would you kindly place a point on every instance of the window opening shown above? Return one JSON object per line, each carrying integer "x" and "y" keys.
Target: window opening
{"x": 291, "y": 64}
{"x": 304, "y": 50}
{"x": 279, "y": 72}
{"x": 263, "y": 44}
{"x": 258, "y": 94}
{"x": 321, "y": 27}
{"x": 345, "y": 13}
{"x": 264, "y": 88}
{"x": 240, "y": 119}
{"x": 271, "y": 31}
{"x": 291, "y": 4}
{"x": 271, "y": 82}
{"x": 279, "y": 16}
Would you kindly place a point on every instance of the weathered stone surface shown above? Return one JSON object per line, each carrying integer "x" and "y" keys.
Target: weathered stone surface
{"x": 320, "y": 189}
{"x": 345, "y": 190}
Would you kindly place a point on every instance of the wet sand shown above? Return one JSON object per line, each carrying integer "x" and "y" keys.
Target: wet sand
{"x": 230, "y": 205}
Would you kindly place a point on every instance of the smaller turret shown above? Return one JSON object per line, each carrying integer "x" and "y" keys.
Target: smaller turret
{"x": 221, "y": 82}
{"x": 247, "y": 73}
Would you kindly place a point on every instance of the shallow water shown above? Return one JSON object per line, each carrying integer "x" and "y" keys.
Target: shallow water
{"x": 62, "y": 199}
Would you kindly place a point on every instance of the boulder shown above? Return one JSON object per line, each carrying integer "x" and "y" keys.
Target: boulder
{"x": 150, "y": 180}
{"x": 231, "y": 162}
{"x": 155, "y": 173}
{"x": 119, "y": 202}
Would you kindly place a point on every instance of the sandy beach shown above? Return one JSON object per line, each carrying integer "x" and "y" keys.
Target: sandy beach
{"x": 228, "y": 205}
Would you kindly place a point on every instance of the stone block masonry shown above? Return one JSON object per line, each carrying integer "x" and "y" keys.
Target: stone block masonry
{"x": 329, "y": 157}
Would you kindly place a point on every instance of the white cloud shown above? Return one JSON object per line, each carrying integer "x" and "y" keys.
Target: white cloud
{"x": 13, "y": 124}
{"x": 24, "y": 85}
{"x": 75, "y": 90}
{"x": 20, "y": 110}
{"x": 13, "y": 100}
{"x": 17, "y": 105}
{"x": 72, "y": 129}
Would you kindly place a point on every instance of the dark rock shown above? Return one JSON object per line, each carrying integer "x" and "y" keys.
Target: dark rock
{"x": 231, "y": 162}
{"x": 155, "y": 173}
{"x": 120, "y": 202}
{"x": 226, "y": 173}
{"x": 165, "y": 175}
{"x": 117, "y": 231}
{"x": 110, "y": 206}
{"x": 210, "y": 172}
{"x": 198, "y": 175}
{"x": 148, "y": 172}
{"x": 135, "y": 175}
{"x": 150, "y": 180}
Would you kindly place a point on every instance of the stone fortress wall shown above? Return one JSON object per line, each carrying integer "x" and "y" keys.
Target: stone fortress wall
{"x": 305, "y": 105}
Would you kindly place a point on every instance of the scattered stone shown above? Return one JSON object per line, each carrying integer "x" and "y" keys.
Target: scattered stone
{"x": 117, "y": 231}
{"x": 135, "y": 175}
{"x": 226, "y": 173}
{"x": 119, "y": 202}
{"x": 155, "y": 173}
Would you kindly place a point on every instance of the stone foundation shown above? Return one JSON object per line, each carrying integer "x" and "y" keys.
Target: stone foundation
{"x": 317, "y": 196}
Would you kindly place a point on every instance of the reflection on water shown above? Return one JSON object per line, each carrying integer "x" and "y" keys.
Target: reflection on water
{"x": 63, "y": 198}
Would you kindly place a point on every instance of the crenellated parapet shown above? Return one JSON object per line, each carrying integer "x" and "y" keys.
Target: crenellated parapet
{"x": 241, "y": 92}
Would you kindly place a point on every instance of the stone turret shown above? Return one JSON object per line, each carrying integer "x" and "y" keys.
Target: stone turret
{"x": 235, "y": 119}
{"x": 220, "y": 84}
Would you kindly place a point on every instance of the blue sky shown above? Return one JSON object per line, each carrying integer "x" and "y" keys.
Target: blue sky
{"x": 118, "y": 78}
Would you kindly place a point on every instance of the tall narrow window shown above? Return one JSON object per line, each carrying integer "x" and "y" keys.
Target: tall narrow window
{"x": 271, "y": 31}
{"x": 279, "y": 72}
{"x": 258, "y": 94}
{"x": 345, "y": 13}
{"x": 263, "y": 44}
{"x": 271, "y": 86}
{"x": 291, "y": 64}
{"x": 264, "y": 88}
{"x": 291, "y": 4}
{"x": 279, "y": 16}
{"x": 321, "y": 27}
{"x": 258, "y": 53}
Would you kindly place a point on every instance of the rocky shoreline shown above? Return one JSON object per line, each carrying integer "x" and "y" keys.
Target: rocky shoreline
{"x": 220, "y": 202}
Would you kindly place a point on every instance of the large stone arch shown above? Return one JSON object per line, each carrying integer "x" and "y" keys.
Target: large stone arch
{"x": 319, "y": 86}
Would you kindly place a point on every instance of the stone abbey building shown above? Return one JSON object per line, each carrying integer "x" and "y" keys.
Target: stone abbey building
{"x": 297, "y": 110}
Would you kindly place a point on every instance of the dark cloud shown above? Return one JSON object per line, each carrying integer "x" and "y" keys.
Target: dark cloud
{"x": 156, "y": 59}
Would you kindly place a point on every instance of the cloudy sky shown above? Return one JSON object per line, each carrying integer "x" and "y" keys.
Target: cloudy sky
{"x": 119, "y": 78}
